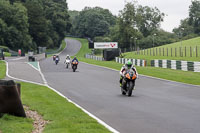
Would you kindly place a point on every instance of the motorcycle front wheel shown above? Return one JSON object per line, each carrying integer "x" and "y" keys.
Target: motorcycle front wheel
{"x": 74, "y": 68}
{"x": 130, "y": 88}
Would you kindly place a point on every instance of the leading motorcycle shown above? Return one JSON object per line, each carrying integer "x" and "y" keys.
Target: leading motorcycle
{"x": 74, "y": 65}
{"x": 128, "y": 82}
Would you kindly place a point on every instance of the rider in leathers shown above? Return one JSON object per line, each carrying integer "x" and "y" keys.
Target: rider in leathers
{"x": 67, "y": 58}
{"x": 126, "y": 67}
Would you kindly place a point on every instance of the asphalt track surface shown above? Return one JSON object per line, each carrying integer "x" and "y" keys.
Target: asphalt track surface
{"x": 157, "y": 106}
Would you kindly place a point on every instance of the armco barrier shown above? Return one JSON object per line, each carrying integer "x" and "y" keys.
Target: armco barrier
{"x": 136, "y": 62}
{"x": 177, "y": 65}
{"x": 89, "y": 56}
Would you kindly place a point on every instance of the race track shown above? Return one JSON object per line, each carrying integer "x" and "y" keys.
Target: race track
{"x": 157, "y": 106}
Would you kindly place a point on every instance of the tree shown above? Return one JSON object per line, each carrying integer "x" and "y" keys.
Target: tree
{"x": 92, "y": 22}
{"x": 136, "y": 21}
{"x": 14, "y": 23}
{"x": 56, "y": 12}
{"x": 38, "y": 23}
{"x": 148, "y": 19}
{"x": 194, "y": 16}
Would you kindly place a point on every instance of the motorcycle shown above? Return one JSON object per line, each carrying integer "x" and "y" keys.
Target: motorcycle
{"x": 54, "y": 57}
{"x": 128, "y": 83}
{"x": 56, "y": 60}
{"x": 74, "y": 65}
{"x": 67, "y": 63}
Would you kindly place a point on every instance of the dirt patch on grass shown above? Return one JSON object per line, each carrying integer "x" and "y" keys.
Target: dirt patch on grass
{"x": 38, "y": 122}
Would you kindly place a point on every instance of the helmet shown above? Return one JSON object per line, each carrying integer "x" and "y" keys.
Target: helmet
{"x": 67, "y": 56}
{"x": 129, "y": 64}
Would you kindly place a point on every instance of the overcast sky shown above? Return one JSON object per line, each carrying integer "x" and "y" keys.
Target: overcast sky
{"x": 174, "y": 9}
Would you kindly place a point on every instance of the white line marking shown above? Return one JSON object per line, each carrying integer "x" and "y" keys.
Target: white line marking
{"x": 7, "y": 74}
{"x": 32, "y": 66}
{"x": 84, "y": 110}
{"x": 46, "y": 84}
{"x": 18, "y": 58}
{"x": 43, "y": 78}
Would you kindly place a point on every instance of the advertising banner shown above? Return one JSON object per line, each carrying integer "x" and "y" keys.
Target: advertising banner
{"x": 105, "y": 45}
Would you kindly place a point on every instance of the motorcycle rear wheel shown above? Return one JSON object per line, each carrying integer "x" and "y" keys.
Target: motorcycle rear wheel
{"x": 123, "y": 92}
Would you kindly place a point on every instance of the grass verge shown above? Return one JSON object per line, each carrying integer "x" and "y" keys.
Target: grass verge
{"x": 55, "y": 51}
{"x": 169, "y": 74}
{"x": 62, "y": 115}
{"x": 182, "y": 50}
{"x": 2, "y": 69}
{"x": 7, "y": 54}
{"x": 12, "y": 124}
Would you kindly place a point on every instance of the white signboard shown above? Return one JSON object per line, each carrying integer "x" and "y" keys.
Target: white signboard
{"x": 105, "y": 45}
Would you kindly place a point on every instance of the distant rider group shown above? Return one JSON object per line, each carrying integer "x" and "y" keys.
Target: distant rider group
{"x": 68, "y": 62}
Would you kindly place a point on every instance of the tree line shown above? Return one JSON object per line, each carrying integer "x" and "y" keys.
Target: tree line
{"x": 136, "y": 26}
{"x": 28, "y": 24}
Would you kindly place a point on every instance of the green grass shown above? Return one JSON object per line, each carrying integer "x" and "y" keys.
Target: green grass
{"x": 180, "y": 55}
{"x": 12, "y": 124}
{"x": 2, "y": 69}
{"x": 64, "y": 116}
{"x": 84, "y": 48}
{"x": 4, "y": 48}
{"x": 7, "y": 54}
{"x": 55, "y": 51}
{"x": 169, "y": 74}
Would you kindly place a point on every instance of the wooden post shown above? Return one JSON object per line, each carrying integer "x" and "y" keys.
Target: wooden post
{"x": 150, "y": 51}
{"x": 171, "y": 52}
{"x": 196, "y": 51}
{"x": 167, "y": 52}
{"x": 156, "y": 52}
{"x": 190, "y": 51}
{"x": 163, "y": 51}
{"x": 175, "y": 52}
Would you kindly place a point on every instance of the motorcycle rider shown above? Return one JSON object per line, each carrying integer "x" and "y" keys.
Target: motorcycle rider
{"x": 124, "y": 69}
{"x": 67, "y": 58}
{"x": 67, "y": 61}
{"x": 57, "y": 58}
{"x": 75, "y": 59}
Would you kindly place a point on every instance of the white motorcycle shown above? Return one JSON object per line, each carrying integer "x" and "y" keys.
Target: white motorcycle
{"x": 68, "y": 62}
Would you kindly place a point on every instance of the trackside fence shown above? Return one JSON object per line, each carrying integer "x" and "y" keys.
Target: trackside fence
{"x": 89, "y": 56}
{"x": 136, "y": 62}
{"x": 177, "y": 65}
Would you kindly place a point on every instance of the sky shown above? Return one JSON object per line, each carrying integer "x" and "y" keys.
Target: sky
{"x": 175, "y": 10}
